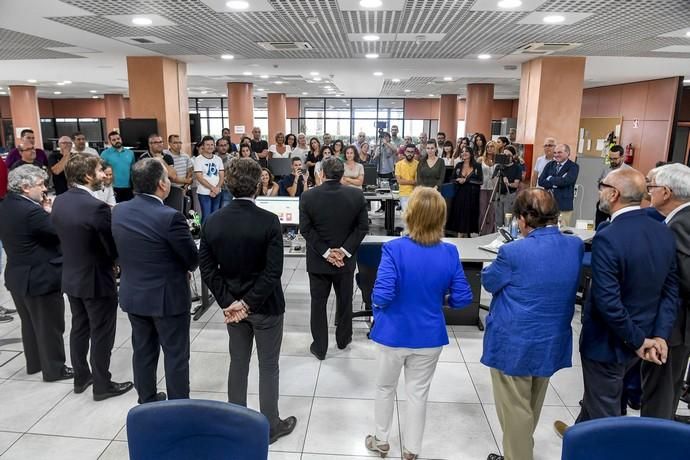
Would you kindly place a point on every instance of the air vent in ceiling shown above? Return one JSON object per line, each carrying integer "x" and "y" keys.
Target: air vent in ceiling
{"x": 143, "y": 40}
{"x": 286, "y": 46}
{"x": 541, "y": 49}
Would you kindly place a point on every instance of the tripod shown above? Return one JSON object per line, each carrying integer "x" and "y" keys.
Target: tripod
{"x": 498, "y": 173}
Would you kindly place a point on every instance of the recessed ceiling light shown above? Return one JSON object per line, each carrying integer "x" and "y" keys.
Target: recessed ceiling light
{"x": 431, "y": 95}
{"x": 278, "y": 82}
{"x": 204, "y": 92}
{"x": 371, "y": 55}
{"x": 227, "y": 56}
{"x": 553, "y": 19}
{"x": 32, "y": 81}
{"x": 327, "y": 87}
{"x": 370, "y": 3}
{"x": 687, "y": 34}
{"x": 67, "y": 82}
{"x": 448, "y": 78}
{"x": 408, "y": 90}
{"x": 93, "y": 91}
{"x": 304, "y": 93}
{"x": 687, "y": 80}
{"x": 237, "y": 5}
{"x": 396, "y": 80}
{"x": 94, "y": 97}
{"x": 371, "y": 38}
{"x": 509, "y": 4}
{"x": 142, "y": 21}
{"x": 61, "y": 84}
{"x": 313, "y": 74}
{"x": 263, "y": 76}
{"x": 316, "y": 78}
{"x": 246, "y": 73}
{"x": 57, "y": 92}
{"x": 484, "y": 56}
{"x": 378, "y": 74}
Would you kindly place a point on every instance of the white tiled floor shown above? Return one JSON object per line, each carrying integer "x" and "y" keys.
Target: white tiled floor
{"x": 332, "y": 399}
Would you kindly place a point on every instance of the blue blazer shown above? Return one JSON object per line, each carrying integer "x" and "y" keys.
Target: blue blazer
{"x": 408, "y": 296}
{"x": 533, "y": 282}
{"x": 156, "y": 251}
{"x": 634, "y": 291}
{"x": 561, "y": 184}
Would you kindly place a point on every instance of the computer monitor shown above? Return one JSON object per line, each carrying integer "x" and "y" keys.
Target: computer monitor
{"x": 280, "y": 166}
{"x": 370, "y": 175}
{"x": 285, "y": 207}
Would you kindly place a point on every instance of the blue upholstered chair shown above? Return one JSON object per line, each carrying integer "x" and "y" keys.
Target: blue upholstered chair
{"x": 368, "y": 260}
{"x": 196, "y": 429}
{"x": 631, "y": 438}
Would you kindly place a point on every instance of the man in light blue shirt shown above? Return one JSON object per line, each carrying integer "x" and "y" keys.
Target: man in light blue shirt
{"x": 121, "y": 160}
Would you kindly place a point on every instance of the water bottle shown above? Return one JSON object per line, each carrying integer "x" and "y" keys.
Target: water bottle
{"x": 514, "y": 228}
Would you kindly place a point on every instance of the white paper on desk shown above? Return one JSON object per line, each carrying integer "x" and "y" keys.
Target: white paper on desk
{"x": 600, "y": 144}
{"x": 494, "y": 245}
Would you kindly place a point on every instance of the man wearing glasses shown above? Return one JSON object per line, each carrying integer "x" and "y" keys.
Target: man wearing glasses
{"x": 25, "y": 148}
{"x": 615, "y": 162}
{"x": 156, "y": 148}
{"x": 57, "y": 161}
{"x": 549, "y": 145}
{"x": 559, "y": 177}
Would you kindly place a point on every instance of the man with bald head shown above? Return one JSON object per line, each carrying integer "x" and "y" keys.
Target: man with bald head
{"x": 543, "y": 160}
{"x": 57, "y": 162}
{"x": 633, "y": 302}
{"x": 559, "y": 177}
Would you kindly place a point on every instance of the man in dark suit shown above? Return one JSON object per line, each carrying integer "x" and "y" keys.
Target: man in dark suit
{"x": 33, "y": 272}
{"x": 156, "y": 253}
{"x": 662, "y": 385}
{"x": 333, "y": 221}
{"x": 559, "y": 177}
{"x": 82, "y": 222}
{"x": 634, "y": 296}
{"x": 241, "y": 261}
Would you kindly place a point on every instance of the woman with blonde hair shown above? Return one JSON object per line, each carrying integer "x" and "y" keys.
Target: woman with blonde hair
{"x": 487, "y": 188}
{"x": 409, "y": 326}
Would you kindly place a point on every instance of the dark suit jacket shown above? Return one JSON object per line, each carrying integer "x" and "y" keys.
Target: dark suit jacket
{"x": 241, "y": 257}
{"x": 34, "y": 260}
{"x": 332, "y": 216}
{"x": 156, "y": 252}
{"x": 680, "y": 226}
{"x": 561, "y": 184}
{"x": 83, "y": 224}
{"x": 634, "y": 288}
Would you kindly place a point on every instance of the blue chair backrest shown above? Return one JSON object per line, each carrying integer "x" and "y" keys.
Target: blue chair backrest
{"x": 448, "y": 190}
{"x": 369, "y": 255}
{"x": 630, "y": 438}
{"x": 196, "y": 429}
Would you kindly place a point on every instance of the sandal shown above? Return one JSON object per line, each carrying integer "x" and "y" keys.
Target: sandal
{"x": 374, "y": 445}
{"x": 407, "y": 455}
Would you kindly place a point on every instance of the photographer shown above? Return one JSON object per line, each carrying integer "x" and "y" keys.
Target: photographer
{"x": 385, "y": 156}
{"x": 294, "y": 184}
{"x": 510, "y": 174}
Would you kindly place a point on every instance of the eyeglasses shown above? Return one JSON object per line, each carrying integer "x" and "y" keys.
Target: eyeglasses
{"x": 603, "y": 185}
{"x": 156, "y": 142}
{"x": 549, "y": 145}
{"x": 650, "y": 187}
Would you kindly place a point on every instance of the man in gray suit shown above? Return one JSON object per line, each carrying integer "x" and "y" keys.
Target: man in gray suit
{"x": 661, "y": 385}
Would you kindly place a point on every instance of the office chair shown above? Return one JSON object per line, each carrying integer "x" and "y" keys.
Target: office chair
{"x": 368, "y": 260}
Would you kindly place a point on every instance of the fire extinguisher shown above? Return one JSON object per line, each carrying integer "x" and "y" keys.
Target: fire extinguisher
{"x": 629, "y": 154}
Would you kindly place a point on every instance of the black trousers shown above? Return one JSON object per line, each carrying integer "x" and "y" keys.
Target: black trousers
{"x": 603, "y": 388}
{"x": 43, "y": 324}
{"x": 268, "y": 331}
{"x": 94, "y": 321}
{"x": 663, "y": 385}
{"x": 320, "y": 288}
{"x": 123, "y": 194}
{"x": 599, "y": 217}
{"x": 149, "y": 335}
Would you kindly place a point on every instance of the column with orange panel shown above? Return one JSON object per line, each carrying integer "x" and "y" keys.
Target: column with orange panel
{"x": 158, "y": 89}
{"x": 241, "y": 110}
{"x": 478, "y": 105}
{"x": 448, "y": 116}
{"x": 277, "y": 113}
{"x": 25, "y": 114}
{"x": 114, "y": 110}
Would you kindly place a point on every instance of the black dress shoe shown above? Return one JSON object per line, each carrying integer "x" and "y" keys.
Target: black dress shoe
{"x": 160, "y": 396}
{"x": 634, "y": 405}
{"x": 7, "y": 311}
{"x": 6, "y": 319}
{"x": 114, "y": 389}
{"x": 284, "y": 428}
{"x": 66, "y": 373}
{"x": 81, "y": 387}
{"x": 495, "y": 457}
{"x": 344, "y": 346}
{"x": 319, "y": 356}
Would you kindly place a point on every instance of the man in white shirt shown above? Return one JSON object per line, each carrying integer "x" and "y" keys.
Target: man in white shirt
{"x": 79, "y": 140}
{"x": 549, "y": 146}
{"x": 210, "y": 175}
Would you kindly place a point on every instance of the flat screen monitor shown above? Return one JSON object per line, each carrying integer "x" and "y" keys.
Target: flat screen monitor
{"x": 285, "y": 207}
{"x": 370, "y": 175}
{"x": 280, "y": 166}
{"x": 135, "y": 132}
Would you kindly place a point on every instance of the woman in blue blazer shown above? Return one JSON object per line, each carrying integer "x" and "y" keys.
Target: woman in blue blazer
{"x": 409, "y": 326}
{"x": 528, "y": 335}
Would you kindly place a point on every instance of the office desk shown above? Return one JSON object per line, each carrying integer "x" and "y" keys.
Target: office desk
{"x": 389, "y": 216}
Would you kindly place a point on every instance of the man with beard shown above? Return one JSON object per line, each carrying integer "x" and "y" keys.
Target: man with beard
{"x": 121, "y": 159}
{"x": 406, "y": 175}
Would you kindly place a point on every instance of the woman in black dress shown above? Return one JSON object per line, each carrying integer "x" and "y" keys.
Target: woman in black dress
{"x": 463, "y": 217}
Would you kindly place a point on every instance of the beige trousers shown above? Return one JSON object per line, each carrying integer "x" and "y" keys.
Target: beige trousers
{"x": 518, "y": 404}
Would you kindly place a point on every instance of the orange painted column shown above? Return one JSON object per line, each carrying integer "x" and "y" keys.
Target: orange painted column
{"x": 277, "y": 113}
{"x": 550, "y": 101}
{"x": 241, "y": 110}
{"x": 478, "y": 106}
{"x": 448, "y": 116}
{"x": 158, "y": 89}
{"x": 25, "y": 114}
{"x": 114, "y": 110}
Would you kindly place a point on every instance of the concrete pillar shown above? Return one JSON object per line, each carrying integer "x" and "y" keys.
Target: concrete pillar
{"x": 240, "y": 110}
{"x": 114, "y": 110}
{"x": 448, "y": 116}
{"x": 25, "y": 114}
{"x": 277, "y": 113}
{"x": 478, "y": 106}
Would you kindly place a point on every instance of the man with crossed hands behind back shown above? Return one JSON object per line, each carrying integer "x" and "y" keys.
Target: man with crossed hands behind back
{"x": 333, "y": 220}
{"x": 634, "y": 297}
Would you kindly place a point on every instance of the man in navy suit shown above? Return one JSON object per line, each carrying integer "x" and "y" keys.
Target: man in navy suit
{"x": 634, "y": 297}
{"x": 559, "y": 177}
{"x": 156, "y": 253}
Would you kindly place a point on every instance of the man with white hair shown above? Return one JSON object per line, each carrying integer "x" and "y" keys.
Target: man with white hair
{"x": 669, "y": 191}
{"x": 57, "y": 162}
